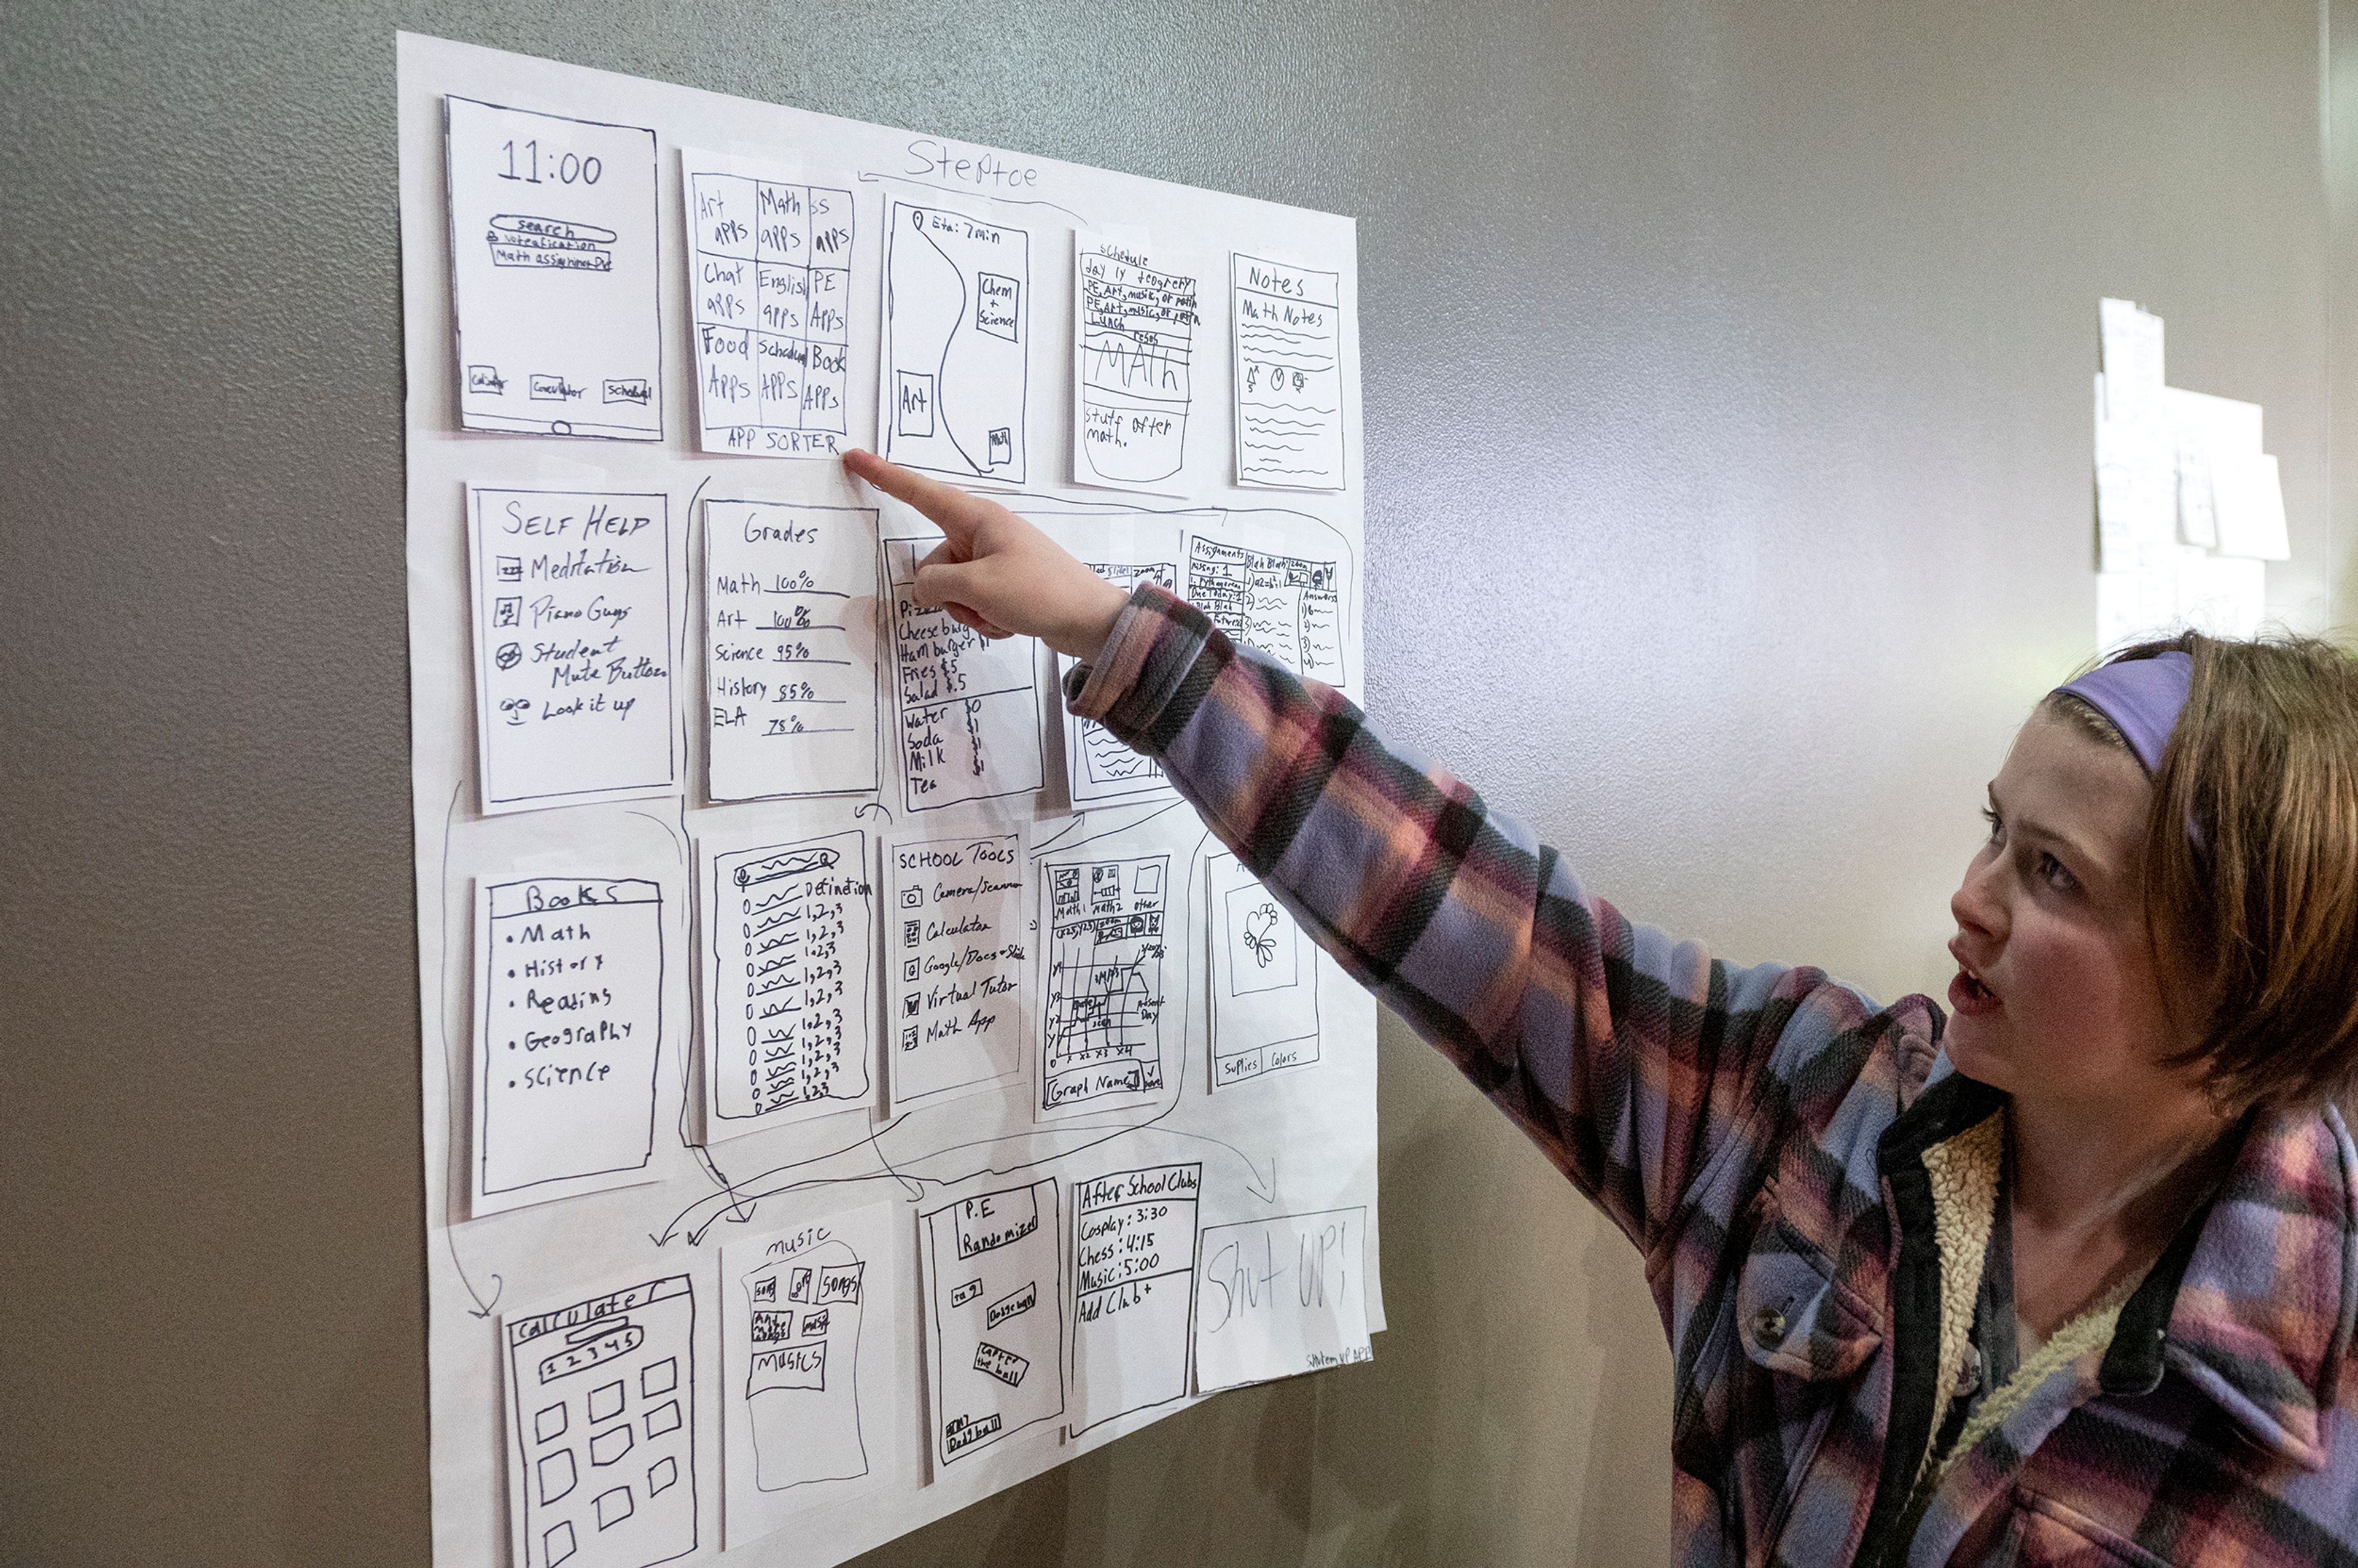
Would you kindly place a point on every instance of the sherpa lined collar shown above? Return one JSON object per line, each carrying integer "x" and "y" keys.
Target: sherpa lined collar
{"x": 2254, "y": 1300}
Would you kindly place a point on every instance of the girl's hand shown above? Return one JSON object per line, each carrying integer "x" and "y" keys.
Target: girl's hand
{"x": 995, "y": 572}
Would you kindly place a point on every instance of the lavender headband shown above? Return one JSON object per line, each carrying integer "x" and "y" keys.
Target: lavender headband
{"x": 2142, "y": 697}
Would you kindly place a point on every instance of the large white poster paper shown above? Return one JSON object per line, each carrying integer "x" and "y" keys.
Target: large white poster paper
{"x": 553, "y": 258}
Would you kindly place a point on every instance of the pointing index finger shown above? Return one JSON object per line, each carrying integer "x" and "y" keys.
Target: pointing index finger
{"x": 947, "y": 506}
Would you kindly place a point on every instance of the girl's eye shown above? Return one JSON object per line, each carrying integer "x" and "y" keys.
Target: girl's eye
{"x": 1997, "y": 824}
{"x": 2055, "y": 874}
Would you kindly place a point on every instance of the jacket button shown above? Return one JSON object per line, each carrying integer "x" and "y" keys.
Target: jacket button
{"x": 1768, "y": 1327}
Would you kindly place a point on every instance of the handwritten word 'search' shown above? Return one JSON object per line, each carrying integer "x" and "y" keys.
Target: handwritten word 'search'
{"x": 983, "y": 171}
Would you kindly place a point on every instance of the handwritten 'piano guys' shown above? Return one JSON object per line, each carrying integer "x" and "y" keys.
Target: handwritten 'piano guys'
{"x": 788, "y": 1015}
{"x": 573, "y": 646}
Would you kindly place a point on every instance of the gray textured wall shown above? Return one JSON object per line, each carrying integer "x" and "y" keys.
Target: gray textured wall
{"x": 1727, "y": 411}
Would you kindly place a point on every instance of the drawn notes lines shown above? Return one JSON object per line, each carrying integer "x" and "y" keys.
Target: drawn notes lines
{"x": 601, "y": 1469}
{"x": 1264, "y": 980}
{"x": 573, "y": 646}
{"x": 1133, "y": 1274}
{"x": 1097, "y": 767}
{"x": 554, "y": 275}
{"x": 958, "y": 962}
{"x": 969, "y": 708}
{"x": 791, "y": 614}
{"x": 1133, "y": 341}
{"x": 770, "y": 283}
{"x": 957, "y": 342}
{"x": 787, "y": 1018}
{"x": 994, "y": 1320}
{"x": 1288, "y": 374}
{"x": 1102, "y": 1016}
{"x": 568, "y": 1023}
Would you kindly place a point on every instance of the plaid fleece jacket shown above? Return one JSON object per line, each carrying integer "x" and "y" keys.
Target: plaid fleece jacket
{"x": 1762, "y": 1136}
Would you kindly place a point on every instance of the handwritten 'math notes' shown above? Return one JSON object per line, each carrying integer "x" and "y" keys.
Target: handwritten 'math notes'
{"x": 994, "y": 1318}
{"x": 810, "y": 1383}
{"x": 958, "y": 963}
{"x": 602, "y": 1418}
{"x": 568, "y": 1023}
{"x": 1275, "y": 1297}
{"x": 957, "y": 342}
{"x": 553, "y": 262}
{"x": 789, "y": 1013}
{"x": 1133, "y": 342}
{"x": 769, "y": 283}
{"x": 573, "y": 646}
{"x": 1288, "y": 374}
{"x": 791, "y": 614}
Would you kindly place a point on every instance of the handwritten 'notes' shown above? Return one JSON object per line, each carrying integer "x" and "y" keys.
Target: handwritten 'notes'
{"x": 788, "y": 1014}
{"x": 573, "y": 646}
{"x": 1133, "y": 344}
{"x": 1133, "y": 1267}
{"x": 1288, "y": 374}
{"x": 569, "y": 1024}
{"x": 1275, "y": 1297}
{"x": 957, "y": 342}
{"x": 770, "y": 284}
{"x": 602, "y": 1418}
{"x": 809, "y": 1381}
{"x": 791, "y": 615}
{"x": 958, "y": 962}
{"x": 994, "y": 1318}
{"x": 968, "y": 707}
{"x": 553, "y": 262}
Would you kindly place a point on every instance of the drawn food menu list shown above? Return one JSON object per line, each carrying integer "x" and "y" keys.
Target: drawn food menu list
{"x": 969, "y": 707}
{"x": 553, "y": 259}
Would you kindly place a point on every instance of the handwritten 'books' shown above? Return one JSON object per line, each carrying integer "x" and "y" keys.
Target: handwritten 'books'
{"x": 554, "y": 272}
{"x": 573, "y": 646}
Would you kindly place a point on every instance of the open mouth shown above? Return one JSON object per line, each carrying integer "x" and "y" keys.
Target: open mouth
{"x": 1968, "y": 993}
{"x": 1974, "y": 989}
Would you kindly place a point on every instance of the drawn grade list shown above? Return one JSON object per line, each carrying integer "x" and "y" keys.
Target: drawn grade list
{"x": 791, "y": 611}
{"x": 573, "y": 646}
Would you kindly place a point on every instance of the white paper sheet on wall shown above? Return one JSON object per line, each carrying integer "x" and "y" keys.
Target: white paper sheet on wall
{"x": 1277, "y": 1297}
{"x": 1288, "y": 333}
{"x": 553, "y": 236}
{"x": 957, "y": 960}
{"x": 1134, "y": 327}
{"x": 957, "y": 341}
{"x": 752, "y": 1139}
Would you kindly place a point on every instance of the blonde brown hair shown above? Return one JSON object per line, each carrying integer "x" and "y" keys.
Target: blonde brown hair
{"x": 2251, "y": 863}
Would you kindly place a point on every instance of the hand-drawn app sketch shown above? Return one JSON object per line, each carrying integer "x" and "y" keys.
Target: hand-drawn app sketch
{"x": 1274, "y": 1297}
{"x": 770, "y": 284}
{"x": 1099, "y": 769}
{"x": 994, "y": 1321}
{"x": 601, "y": 1463}
{"x": 1288, "y": 374}
{"x": 957, "y": 342}
{"x": 792, "y": 616}
{"x": 1133, "y": 341}
{"x": 1133, "y": 1275}
{"x": 968, "y": 707}
{"x": 1287, "y": 606}
{"x": 568, "y": 1025}
{"x": 957, "y": 965}
{"x": 810, "y": 1388}
{"x": 573, "y": 647}
{"x": 792, "y": 932}
{"x": 1103, "y": 942}
{"x": 554, "y": 274}
{"x": 1264, "y": 980}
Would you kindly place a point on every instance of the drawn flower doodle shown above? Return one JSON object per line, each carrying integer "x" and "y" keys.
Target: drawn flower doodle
{"x": 1260, "y": 934}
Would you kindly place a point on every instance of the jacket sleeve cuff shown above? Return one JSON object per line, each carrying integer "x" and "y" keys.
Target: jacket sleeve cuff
{"x": 1130, "y": 687}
